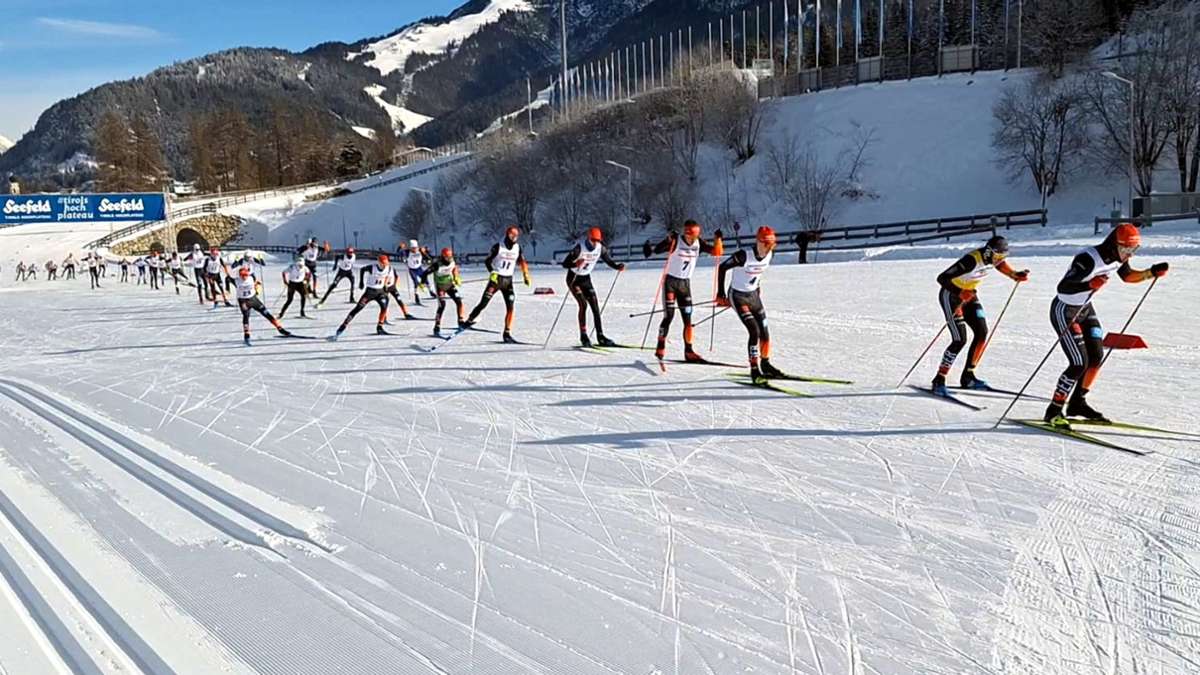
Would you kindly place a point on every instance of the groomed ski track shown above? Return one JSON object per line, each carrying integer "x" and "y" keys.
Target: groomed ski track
{"x": 171, "y": 501}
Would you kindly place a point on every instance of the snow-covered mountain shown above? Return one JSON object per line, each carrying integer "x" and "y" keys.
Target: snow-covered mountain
{"x": 440, "y": 79}
{"x": 5, "y": 144}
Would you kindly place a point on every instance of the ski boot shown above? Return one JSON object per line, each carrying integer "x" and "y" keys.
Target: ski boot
{"x": 466, "y": 325}
{"x": 969, "y": 381}
{"x": 938, "y": 387}
{"x": 246, "y": 340}
{"x": 338, "y": 334}
{"x": 757, "y": 376}
{"x": 508, "y": 338}
{"x": 283, "y": 332}
{"x": 437, "y": 331}
{"x": 603, "y": 341}
{"x": 769, "y": 370}
{"x": 691, "y": 356}
{"x": 584, "y": 341}
{"x": 1054, "y": 417}
{"x": 660, "y": 349}
{"x": 1078, "y": 407}
{"x": 380, "y": 331}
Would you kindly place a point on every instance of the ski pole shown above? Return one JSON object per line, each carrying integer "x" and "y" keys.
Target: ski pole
{"x": 922, "y": 356}
{"x": 1046, "y": 358}
{"x": 1130, "y": 321}
{"x": 557, "y": 316}
{"x": 662, "y": 280}
{"x": 609, "y": 295}
{"x": 714, "y": 316}
{"x": 1000, "y": 318}
{"x": 712, "y": 334}
{"x": 659, "y": 310}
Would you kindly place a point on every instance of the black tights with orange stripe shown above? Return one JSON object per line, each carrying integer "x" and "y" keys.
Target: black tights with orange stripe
{"x": 754, "y": 317}
{"x": 676, "y": 293}
{"x": 960, "y": 316}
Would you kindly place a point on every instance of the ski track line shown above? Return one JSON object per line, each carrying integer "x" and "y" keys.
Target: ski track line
{"x": 91, "y": 605}
{"x": 51, "y": 634}
{"x": 217, "y": 494}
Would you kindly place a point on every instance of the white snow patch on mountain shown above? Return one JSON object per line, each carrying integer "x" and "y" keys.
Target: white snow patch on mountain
{"x": 402, "y": 118}
{"x": 390, "y": 54}
{"x": 5, "y": 144}
{"x": 366, "y": 132}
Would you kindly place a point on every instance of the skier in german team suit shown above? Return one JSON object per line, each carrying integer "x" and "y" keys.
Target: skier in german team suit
{"x": 683, "y": 254}
{"x": 311, "y": 253}
{"x": 214, "y": 265}
{"x": 446, "y": 281}
{"x": 959, "y": 300}
{"x": 502, "y": 262}
{"x": 373, "y": 280}
{"x": 247, "y": 288}
{"x": 745, "y": 296}
{"x": 344, "y": 264}
{"x": 196, "y": 258}
{"x": 579, "y": 263}
{"x": 1078, "y": 327}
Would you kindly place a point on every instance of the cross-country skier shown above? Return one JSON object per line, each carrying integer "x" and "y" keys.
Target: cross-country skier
{"x": 295, "y": 279}
{"x": 684, "y": 253}
{"x": 176, "y": 266}
{"x": 579, "y": 263}
{"x": 21, "y": 270}
{"x": 1075, "y": 321}
{"x": 311, "y": 253}
{"x": 139, "y": 263}
{"x": 345, "y": 270}
{"x": 124, "y": 270}
{"x": 68, "y": 266}
{"x": 31, "y": 271}
{"x": 247, "y": 289}
{"x": 447, "y": 281}
{"x": 197, "y": 259}
{"x": 154, "y": 262}
{"x": 51, "y": 270}
{"x": 373, "y": 280}
{"x": 502, "y": 262}
{"x": 93, "y": 263}
{"x": 959, "y": 300}
{"x": 214, "y": 265}
{"x": 745, "y": 296}
{"x": 416, "y": 269}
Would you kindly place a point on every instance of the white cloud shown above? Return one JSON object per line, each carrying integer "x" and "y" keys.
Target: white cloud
{"x": 125, "y": 31}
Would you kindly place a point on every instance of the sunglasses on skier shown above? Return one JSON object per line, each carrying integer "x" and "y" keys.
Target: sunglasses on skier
{"x": 1127, "y": 251}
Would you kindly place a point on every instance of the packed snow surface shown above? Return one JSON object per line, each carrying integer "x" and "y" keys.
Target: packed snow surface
{"x": 390, "y": 54}
{"x": 171, "y": 500}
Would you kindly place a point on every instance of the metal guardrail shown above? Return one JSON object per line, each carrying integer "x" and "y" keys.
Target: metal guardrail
{"x": 1147, "y": 221}
{"x": 901, "y": 233}
{"x": 414, "y": 174}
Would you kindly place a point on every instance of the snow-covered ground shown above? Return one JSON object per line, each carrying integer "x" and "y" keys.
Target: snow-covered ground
{"x": 175, "y": 501}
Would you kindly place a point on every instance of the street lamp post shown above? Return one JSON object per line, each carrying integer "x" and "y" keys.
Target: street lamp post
{"x": 629, "y": 200}
{"x": 1111, "y": 75}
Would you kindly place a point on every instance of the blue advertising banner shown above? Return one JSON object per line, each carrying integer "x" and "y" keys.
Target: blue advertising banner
{"x": 59, "y": 208}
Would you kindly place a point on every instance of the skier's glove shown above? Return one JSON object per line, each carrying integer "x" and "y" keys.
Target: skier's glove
{"x": 966, "y": 295}
{"x": 722, "y": 301}
{"x": 526, "y": 279}
{"x": 620, "y": 267}
{"x": 1098, "y": 283}
{"x": 1021, "y": 277}
{"x": 1160, "y": 270}
{"x": 494, "y": 278}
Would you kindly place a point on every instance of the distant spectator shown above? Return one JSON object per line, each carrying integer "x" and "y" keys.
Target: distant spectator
{"x": 14, "y": 186}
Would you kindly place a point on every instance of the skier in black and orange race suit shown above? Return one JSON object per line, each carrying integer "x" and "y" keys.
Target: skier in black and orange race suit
{"x": 373, "y": 280}
{"x": 345, "y": 270}
{"x": 214, "y": 264}
{"x": 446, "y": 281}
{"x": 1075, "y": 321}
{"x": 197, "y": 259}
{"x": 247, "y": 289}
{"x": 745, "y": 296}
{"x": 503, "y": 261}
{"x": 677, "y": 283}
{"x": 959, "y": 300}
{"x": 579, "y": 263}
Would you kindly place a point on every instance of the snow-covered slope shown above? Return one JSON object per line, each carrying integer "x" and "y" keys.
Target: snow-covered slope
{"x": 391, "y": 54}
{"x": 5, "y": 144}
{"x": 403, "y": 119}
{"x": 368, "y": 507}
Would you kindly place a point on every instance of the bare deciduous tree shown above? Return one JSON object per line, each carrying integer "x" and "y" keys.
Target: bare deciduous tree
{"x": 410, "y": 221}
{"x": 1040, "y": 130}
{"x": 813, "y": 188}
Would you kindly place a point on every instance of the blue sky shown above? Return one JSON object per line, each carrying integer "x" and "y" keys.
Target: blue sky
{"x": 55, "y": 49}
